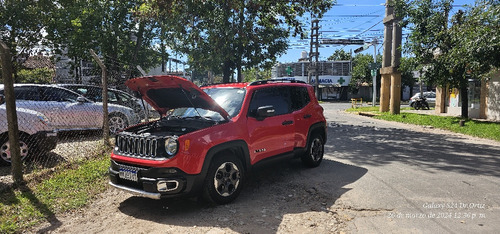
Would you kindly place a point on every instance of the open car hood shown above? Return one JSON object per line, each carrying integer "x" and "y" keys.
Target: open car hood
{"x": 169, "y": 92}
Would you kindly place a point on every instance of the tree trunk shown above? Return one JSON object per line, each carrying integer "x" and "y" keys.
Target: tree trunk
{"x": 138, "y": 44}
{"x": 226, "y": 72}
{"x": 465, "y": 100}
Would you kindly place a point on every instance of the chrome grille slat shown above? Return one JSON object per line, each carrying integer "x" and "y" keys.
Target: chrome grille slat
{"x": 141, "y": 147}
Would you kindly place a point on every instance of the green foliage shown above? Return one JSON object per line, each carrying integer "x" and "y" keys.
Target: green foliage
{"x": 361, "y": 72}
{"x": 37, "y": 76}
{"x": 406, "y": 68}
{"x": 21, "y": 23}
{"x": 66, "y": 189}
{"x": 114, "y": 29}
{"x": 475, "y": 40}
{"x": 450, "y": 51}
{"x": 221, "y": 36}
{"x": 339, "y": 55}
{"x": 254, "y": 74}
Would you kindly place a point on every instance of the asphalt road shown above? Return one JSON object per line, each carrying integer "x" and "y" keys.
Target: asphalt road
{"x": 410, "y": 179}
{"x": 376, "y": 177}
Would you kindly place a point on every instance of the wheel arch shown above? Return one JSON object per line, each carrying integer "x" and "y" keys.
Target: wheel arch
{"x": 5, "y": 135}
{"x": 237, "y": 147}
{"x": 317, "y": 128}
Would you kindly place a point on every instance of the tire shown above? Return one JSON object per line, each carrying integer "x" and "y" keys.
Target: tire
{"x": 117, "y": 122}
{"x": 25, "y": 150}
{"x": 224, "y": 180}
{"x": 417, "y": 106}
{"x": 315, "y": 150}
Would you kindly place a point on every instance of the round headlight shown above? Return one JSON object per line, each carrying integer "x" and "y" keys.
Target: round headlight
{"x": 171, "y": 146}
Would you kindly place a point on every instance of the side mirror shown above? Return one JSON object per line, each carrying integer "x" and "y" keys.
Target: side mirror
{"x": 264, "y": 112}
{"x": 2, "y": 99}
{"x": 80, "y": 99}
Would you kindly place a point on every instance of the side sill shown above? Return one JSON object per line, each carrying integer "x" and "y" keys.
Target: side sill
{"x": 137, "y": 192}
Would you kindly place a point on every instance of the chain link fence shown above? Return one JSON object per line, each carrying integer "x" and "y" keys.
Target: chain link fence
{"x": 64, "y": 121}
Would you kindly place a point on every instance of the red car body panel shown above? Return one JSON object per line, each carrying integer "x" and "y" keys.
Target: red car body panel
{"x": 261, "y": 139}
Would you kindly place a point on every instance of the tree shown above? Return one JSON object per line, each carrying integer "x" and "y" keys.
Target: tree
{"x": 222, "y": 36}
{"x": 361, "y": 72}
{"x": 114, "y": 29}
{"x": 253, "y": 74}
{"x": 452, "y": 55}
{"x": 339, "y": 55}
{"x": 22, "y": 25}
{"x": 407, "y": 67}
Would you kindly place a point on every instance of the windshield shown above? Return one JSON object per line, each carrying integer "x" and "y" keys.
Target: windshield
{"x": 230, "y": 99}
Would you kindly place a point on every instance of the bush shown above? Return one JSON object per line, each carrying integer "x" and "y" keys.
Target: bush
{"x": 37, "y": 76}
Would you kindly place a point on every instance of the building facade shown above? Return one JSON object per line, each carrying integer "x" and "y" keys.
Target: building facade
{"x": 333, "y": 76}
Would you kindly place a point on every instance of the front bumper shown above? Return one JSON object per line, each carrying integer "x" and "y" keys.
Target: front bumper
{"x": 153, "y": 183}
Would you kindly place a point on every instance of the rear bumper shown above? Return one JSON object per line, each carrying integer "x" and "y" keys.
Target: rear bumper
{"x": 45, "y": 140}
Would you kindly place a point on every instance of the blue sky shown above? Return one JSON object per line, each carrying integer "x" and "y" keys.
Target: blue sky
{"x": 349, "y": 19}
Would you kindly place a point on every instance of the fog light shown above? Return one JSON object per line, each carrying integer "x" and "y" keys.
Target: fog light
{"x": 167, "y": 185}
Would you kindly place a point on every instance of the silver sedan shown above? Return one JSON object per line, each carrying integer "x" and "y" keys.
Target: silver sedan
{"x": 67, "y": 110}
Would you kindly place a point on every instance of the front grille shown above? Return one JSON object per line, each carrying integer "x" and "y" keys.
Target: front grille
{"x": 137, "y": 146}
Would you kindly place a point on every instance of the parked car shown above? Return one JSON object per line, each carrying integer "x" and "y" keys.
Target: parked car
{"x": 36, "y": 135}
{"x": 430, "y": 97}
{"x": 67, "y": 110}
{"x": 209, "y": 139}
{"x": 115, "y": 96}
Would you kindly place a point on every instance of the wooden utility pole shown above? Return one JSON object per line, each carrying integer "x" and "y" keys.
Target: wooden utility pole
{"x": 105, "y": 127}
{"x": 390, "y": 91}
{"x": 10, "y": 104}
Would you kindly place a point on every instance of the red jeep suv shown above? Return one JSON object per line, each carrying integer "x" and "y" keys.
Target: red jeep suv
{"x": 209, "y": 138}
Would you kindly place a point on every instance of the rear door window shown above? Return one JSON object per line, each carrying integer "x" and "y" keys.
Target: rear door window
{"x": 300, "y": 97}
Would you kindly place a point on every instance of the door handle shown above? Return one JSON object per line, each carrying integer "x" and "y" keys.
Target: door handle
{"x": 307, "y": 116}
{"x": 287, "y": 122}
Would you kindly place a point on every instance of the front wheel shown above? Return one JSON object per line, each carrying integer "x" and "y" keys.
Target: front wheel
{"x": 315, "y": 150}
{"x": 116, "y": 123}
{"x": 5, "y": 150}
{"x": 224, "y": 180}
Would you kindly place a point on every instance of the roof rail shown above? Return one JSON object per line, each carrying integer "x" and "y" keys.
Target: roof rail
{"x": 260, "y": 82}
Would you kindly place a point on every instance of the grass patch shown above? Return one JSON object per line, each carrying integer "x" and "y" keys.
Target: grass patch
{"x": 374, "y": 109}
{"x": 46, "y": 194}
{"x": 482, "y": 129}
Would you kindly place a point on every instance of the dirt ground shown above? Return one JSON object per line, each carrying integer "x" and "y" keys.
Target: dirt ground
{"x": 287, "y": 198}
{"x": 284, "y": 198}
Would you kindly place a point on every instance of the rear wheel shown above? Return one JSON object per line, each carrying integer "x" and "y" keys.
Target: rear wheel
{"x": 224, "y": 180}
{"x": 5, "y": 150}
{"x": 417, "y": 106}
{"x": 315, "y": 150}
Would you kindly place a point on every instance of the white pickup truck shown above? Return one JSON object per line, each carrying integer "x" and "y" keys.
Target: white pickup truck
{"x": 36, "y": 135}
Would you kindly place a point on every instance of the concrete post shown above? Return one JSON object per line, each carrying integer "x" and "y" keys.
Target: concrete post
{"x": 441, "y": 99}
{"x": 483, "y": 100}
{"x": 395, "y": 100}
{"x": 386, "y": 69}
{"x": 385, "y": 87}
